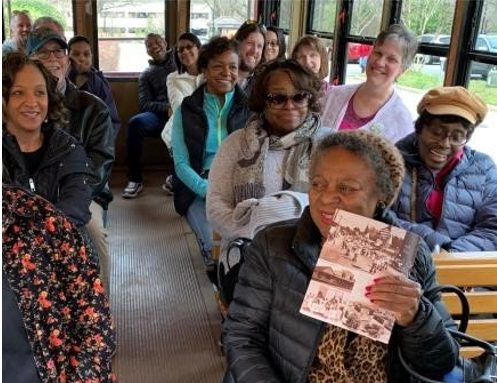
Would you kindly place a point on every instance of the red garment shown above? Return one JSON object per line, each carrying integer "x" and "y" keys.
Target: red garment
{"x": 351, "y": 120}
{"x": 434, "y": 202}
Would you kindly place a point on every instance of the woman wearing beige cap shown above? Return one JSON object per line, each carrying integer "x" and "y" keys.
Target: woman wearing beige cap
{"x": 449, "y": 195}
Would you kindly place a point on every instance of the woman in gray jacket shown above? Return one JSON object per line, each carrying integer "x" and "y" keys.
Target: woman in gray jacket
{"x": 265, "y": 336}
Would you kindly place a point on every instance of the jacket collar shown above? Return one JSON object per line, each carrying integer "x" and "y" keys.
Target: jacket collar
{"x": 167, "y": 59}
{"x": 307, "y": 241}
{"x": 71, "y": 95}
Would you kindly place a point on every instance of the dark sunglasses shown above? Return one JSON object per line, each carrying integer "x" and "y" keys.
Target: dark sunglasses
{"x": 279, "y": 101}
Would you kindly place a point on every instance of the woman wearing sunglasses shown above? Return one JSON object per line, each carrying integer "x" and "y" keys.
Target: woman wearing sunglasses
{"x": 449, "y": 195}
{"x": 259, "y": 174}
{"x": 374, "y": 104}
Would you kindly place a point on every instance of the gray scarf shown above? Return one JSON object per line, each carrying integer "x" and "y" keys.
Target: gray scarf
{"x": 248, "y": 181}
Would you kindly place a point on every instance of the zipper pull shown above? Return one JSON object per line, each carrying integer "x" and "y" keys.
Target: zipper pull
{"x": 32, "y": 185}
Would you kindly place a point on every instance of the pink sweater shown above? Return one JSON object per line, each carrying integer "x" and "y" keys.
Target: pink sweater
{"x": 393, "y": 120}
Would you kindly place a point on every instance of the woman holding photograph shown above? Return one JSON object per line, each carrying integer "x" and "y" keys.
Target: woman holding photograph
{"x": 265, "y": 336}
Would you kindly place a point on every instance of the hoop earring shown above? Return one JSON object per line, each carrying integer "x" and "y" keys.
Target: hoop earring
{"x": 379, "y": 210}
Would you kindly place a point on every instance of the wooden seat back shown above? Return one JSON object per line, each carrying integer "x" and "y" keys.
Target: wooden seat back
{"x": 476, "y": 272}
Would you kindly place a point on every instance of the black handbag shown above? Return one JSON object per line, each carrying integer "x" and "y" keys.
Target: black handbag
{"x": 228, "y": 276}
{"x": 482, "y": 369}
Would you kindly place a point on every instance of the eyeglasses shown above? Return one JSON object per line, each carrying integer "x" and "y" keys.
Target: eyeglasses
{"x": 188, "y": 47}
{"x": 45, "y": 54}
{"x": 456, "y": 137}
{"x": 272, "y": 44}
{"x": 279, "y": 101}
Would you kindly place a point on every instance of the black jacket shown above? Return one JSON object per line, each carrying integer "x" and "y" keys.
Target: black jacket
{"x": 98, "y": 85}
{"x": 266, "y": 338}
{"x": 90, "y": 123}
{"x": 195, "y": 133}
{"x": 61, "y": 176}
{"x": 152, "y": 88}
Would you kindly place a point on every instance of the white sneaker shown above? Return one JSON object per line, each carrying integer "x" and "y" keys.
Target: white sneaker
{"x": 132, "y": 189}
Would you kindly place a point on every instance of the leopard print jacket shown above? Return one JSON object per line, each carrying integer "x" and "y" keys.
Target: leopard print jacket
{"x": 344, "y": 357}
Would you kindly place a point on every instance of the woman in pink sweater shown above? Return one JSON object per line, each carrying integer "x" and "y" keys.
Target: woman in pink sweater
{"x": 374, "y": 104}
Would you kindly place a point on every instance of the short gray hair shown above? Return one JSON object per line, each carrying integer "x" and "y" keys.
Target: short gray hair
{"x": 406, "y": 38}
{"x": 382, "y": 157}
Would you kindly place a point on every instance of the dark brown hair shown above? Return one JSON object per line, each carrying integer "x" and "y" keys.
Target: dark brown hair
{"x": 190, "y": 37}
{"x": 12, "y": 64}
{"x": 280, "y": 37}
{"x": 302, "y": 80}
{"x": 316, "y": 44}
{"x": 216, "y": 46}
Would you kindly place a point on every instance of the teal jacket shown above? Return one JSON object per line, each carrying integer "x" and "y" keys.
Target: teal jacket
{"x": 217, "y": 131}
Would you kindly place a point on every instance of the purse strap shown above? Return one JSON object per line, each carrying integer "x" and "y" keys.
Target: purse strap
{"x": 462, "y": 338}
{"x": 463, "y": 324}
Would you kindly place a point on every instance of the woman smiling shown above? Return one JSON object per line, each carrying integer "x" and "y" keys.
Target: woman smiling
{"x": 36, "y": 153}
{"x": 449, "y": 196}
{"x": 267, "y": 339}
{"x": 206, "y": 118}
{"x": 259, "y": 176}
{"x": 374, "y": 104}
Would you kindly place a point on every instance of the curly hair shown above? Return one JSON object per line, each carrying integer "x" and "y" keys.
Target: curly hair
{"x": 382, "y": 157}
{"x": 12, "y": 64}
{"x": 316, "y": 44}
{"x": 302, "y": 80}
{"x": 216, "y": 46}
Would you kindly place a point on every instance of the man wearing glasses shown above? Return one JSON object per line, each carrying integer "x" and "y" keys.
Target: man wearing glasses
{"x": 449, "y": 194}
{"x": 89, "y": 122}
{"x": 20, "y": 26}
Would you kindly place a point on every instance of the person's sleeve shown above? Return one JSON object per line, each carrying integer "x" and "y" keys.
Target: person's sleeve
{"x": 431, "y": 237}
{"x": 102, "y": 90}
{"x": 146, "y": 99}
{"x": 181, "y": 158}
{"x": 100, "y": 149}
{"x": 175, "y": 95}
{"x": 426, "y": 343}
{"x": 220, "y": 203}
{"x": 483, "y": 236}
{"x": 74, "y": 192}
{"x": 246, "y": 330}
{"x": 89, "y": 324}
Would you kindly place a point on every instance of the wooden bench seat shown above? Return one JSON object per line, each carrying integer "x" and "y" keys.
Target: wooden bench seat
{"x": 471, "y": 270}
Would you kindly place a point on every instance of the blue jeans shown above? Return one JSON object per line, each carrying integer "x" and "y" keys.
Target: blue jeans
{"x": 197, "y": 219}
{"x": 147, "y": 124}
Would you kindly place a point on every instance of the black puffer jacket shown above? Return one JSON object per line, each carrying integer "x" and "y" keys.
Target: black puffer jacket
{"x": 152, "y": 86}
{"x": 60, "y": 178}
{"x": 266, "y": 338}
{"x": 90, "y": 123}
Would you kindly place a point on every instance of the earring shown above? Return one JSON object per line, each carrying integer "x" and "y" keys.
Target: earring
{"x": 380, "y": 209}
